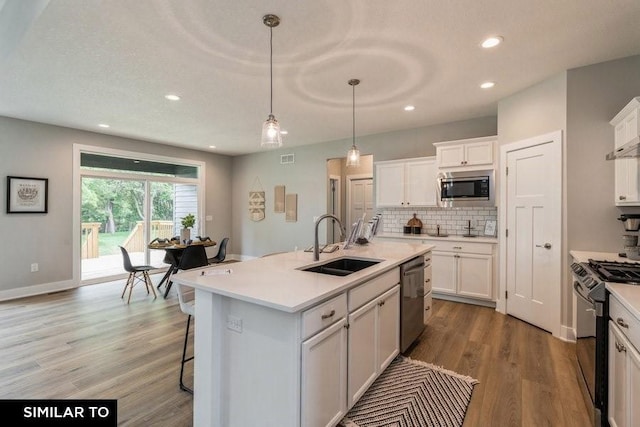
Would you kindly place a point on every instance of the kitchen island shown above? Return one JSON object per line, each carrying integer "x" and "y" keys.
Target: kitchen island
{"x": 271, "y": 339}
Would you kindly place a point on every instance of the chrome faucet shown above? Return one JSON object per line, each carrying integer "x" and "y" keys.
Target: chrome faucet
{"x": 316, "y": 245}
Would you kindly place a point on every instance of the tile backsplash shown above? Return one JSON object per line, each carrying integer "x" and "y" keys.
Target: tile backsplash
{"x": 451, "y": 220}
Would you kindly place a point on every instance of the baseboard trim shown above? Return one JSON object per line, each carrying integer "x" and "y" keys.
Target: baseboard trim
{"x": 567, "y": 334}
{"x": 465, "y": 300}
{"x": 30, "y": 291}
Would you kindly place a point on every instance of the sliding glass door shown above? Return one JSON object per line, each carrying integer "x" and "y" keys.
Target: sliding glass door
{"x": 126, "y": 204}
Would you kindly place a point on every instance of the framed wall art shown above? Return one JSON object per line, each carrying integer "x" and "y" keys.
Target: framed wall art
{"x": 27, "y": 195}
{"x": 278, "y": 199}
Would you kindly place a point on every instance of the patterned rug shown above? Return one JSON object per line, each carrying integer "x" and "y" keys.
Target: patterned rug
{"x": 411, "y": 393}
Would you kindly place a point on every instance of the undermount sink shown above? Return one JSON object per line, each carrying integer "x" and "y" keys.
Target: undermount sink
{"x": 437, "y": 235}
{"x": 342, "y": 266}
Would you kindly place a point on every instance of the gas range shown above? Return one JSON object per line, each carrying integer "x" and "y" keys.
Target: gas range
{"x": 591, "y": 277}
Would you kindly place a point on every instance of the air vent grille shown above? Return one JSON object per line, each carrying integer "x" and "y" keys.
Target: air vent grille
{"x": 286, "y": 159}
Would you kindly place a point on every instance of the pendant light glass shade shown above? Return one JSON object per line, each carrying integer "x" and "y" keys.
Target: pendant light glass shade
{"x": 353, "y": 155}
{"x": 271, "y": 136}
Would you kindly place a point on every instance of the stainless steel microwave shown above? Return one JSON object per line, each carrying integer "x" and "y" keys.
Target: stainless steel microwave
{"x": 473, "y": 188}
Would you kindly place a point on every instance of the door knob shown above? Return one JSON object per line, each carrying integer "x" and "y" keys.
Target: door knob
{"x": 546, "y": 246}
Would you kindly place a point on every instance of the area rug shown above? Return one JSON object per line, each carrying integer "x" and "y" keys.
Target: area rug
{"x": 410, "y": 393}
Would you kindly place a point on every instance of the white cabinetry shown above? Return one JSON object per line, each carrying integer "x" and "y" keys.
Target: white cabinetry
{"x": 428, "y": 298}
{"x": 409, "y": 182}
{"x": 324, "y": 364}
{"x": 463, "y": 269}
{"x": 624, "y": 366}
{"x": 627, "y": 179}
{"x": 347, "y": 346}
{"x": 466, "y": 154}
{"x": 373, "y": 341}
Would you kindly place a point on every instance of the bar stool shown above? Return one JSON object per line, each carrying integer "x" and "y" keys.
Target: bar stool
{"x": 186, "y": 300}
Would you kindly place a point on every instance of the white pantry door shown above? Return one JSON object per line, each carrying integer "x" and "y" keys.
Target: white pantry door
{"x": 534, "y": 224}
{"x": 360, "y": 200}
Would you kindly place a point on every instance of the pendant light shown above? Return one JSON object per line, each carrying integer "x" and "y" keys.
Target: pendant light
{"x": 353, "y": 155}
{"x": 271, "y": 136}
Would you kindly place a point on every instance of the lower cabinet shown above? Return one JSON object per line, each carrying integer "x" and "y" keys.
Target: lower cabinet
{"x": 624, "y": 368}
{"x": 374, "y": 334}
{"x": 324, "y": 379}
{"x": 346, "y": 347}
{"x": 461, "y": 273}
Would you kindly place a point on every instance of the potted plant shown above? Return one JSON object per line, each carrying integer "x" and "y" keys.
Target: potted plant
{"x": 187, "y": 222}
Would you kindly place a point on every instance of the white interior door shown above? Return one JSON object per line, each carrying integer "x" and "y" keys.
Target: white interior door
{"x": 534, "y": 236}
{"x": 360, "y": 200}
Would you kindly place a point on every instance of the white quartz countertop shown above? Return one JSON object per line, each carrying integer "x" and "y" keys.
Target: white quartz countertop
{"x": 629, "y": 296}
{"x": 451, "y": 237}
{"x": 276, "y": 281}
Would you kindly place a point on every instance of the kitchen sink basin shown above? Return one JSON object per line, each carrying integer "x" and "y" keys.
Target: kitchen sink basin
{"x": 342, "y": 266}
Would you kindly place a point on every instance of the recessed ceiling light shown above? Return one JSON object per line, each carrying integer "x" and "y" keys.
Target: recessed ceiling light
{"x": 492, "y": 42}
{"x": 409, "y": 108}
{"x": 487, "y": 85}
{"x": 212, "y": 146}
{"x": 172, "y": 97}
{"x": 284, "y": 132}
{"x": 104, "y": 125}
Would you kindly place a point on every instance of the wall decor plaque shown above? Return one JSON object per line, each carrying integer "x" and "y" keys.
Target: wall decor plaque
{"x": 291, "y": 207}
{"x": 278, "y": 199}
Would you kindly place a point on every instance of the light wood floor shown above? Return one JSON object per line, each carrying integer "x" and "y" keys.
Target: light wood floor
{"x": 86, "y": 343}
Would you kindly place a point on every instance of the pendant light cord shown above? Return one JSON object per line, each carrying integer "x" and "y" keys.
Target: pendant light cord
{"x": 354, "y": 114}
{"x": 271, "y": 70}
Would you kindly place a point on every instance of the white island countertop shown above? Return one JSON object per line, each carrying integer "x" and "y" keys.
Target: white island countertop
{"x": 277, "y": 282}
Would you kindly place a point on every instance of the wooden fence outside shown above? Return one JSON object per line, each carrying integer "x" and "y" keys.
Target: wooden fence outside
{"x": 135, "y": 241}
{"x": 90, "y": 235}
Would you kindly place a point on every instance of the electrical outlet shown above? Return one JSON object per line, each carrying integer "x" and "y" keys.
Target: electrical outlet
{"x": 234, "y": 323}
{"x": 34, "y": 267}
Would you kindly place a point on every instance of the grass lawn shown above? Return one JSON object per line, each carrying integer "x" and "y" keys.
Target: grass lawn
{"x": 108, "y": 242}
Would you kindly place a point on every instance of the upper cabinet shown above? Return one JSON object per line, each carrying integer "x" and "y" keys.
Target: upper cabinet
{"x": 466, "y": 154}
{"x": 408, "y": 182}
{"x": 627, "y": 180}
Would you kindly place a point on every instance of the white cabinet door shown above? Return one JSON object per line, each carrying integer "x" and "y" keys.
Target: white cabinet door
{"x": 627, "y": 179}
{"x": 420, "y": 183}
{"x": 617, "y": 378}
{"x": 388, "y": 327}
{"x": 443, "y": 272}
{"x": 450, "y": 156}
{"x": 633, "y": 367}
{"x": 374, "y": 341}
{"x": 362, "y": 350}
{"x": 390, "y": 184}
{"x": 475, "y": 275}
{"x": 324, "y": 377}
{"x": 478, "y": 153}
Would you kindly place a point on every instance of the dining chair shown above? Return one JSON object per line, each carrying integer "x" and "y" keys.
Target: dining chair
{"x": 193, "y": 256}
{"x": 187, "y": 305}
{"x": 222, "y": 252}
{"x": 137, "y": 273}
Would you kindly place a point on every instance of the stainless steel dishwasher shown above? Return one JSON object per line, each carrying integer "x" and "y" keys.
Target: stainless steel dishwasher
{"x": 412, "y": 302}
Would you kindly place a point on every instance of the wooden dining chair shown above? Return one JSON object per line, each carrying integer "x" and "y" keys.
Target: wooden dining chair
{"x": 137, "y": 273}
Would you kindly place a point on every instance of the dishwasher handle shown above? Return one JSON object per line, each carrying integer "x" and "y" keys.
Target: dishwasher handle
{"x": 414, "y": 270}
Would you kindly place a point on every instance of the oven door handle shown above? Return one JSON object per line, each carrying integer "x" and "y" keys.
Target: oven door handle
{"x": 577, "y": 285}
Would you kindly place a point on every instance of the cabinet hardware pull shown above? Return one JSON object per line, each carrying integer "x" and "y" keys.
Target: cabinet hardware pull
{"x": 620, "y": 347}
{"x": 457, "y": 247}
{"x": 620, "y": 321}
{"x": 427, "y": 259}
{"x": 346, "y": 326}
{"x": 427, "y": 309}
{"x": 381, "y": 303}
{"x": 427, "y": 280}
{"x": 546, "y": 246}
{"x": 622, "y": 198}
{"x": 326, "y": 316}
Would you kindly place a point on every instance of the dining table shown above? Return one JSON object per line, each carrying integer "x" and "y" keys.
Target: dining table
{"x": 173, "y": 251}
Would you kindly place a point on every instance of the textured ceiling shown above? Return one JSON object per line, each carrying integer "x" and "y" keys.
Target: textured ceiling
{"x": 78, "y": 63}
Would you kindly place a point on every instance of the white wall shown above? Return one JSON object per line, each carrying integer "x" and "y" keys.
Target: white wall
{"x": 308, "y": 178}
{"x": 38, "y": 150}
